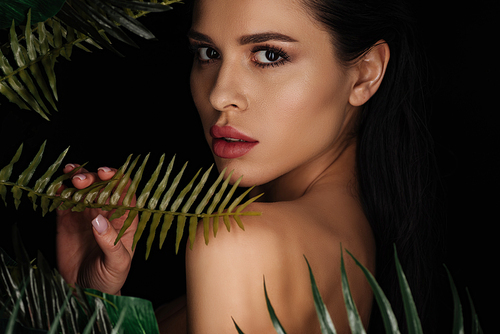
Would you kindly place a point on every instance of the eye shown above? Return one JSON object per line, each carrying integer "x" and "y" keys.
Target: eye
{"x": 207, "y": 54}
{"x": 269, "y": 56}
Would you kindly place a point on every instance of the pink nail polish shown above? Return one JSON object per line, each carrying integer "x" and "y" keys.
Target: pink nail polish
{"x": 81, "y": 177}
{"x": 100, "y": 224}
{"x": 104, "y": 169}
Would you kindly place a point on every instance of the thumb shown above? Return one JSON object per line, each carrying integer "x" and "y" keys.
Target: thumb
{"x": 117, "y": 258}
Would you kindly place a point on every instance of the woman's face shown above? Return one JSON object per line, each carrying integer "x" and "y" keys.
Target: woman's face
{"x": 271, "y": 95}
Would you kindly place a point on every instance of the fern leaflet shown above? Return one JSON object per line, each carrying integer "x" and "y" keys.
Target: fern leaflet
{"x": 106, "y": 195}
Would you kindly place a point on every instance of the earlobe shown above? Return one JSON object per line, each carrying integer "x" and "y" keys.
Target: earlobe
{"x": 370, "y": 72}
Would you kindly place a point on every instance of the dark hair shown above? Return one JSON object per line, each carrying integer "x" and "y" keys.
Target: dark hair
{"x": 397, "y": 173}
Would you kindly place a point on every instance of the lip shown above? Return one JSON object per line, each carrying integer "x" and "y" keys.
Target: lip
{"x": 225, "y": 149}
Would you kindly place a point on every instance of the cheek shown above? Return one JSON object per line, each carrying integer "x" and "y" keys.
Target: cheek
{"x": 306, "y": 113}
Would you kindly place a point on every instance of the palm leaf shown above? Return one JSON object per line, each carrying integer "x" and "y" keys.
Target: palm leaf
{"x": 325, "y": 321}
{"x": 412, "y": 319}
{"x": 27, "y": 59}
{"x": 36, "y": 297}
{"x": 388, "y": 316}
{"x": 106, "y": 195}
{"x": 16, "y": 10}
{"x": 458, "y": 320}
{"x": 475, "y": 327}
{"x": 352, "y": 312}
{"x": 276, "y": 323}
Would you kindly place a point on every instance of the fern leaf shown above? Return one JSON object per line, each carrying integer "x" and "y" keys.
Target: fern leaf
{"x": 7, "y": 171}
{"x": 42, "y": 182}
{"x": 118, "y": 193}
{"x": 25, "y": 176}
{"x": 29, "y": 95}
{"x": 76, "y": 22}
{"x": 141, "y": 200}
{"x": 128, "y": 197}
{"x": 10, "y": 94}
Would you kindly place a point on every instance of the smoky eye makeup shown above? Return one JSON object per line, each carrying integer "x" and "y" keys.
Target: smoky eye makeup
{"x": 269, "y": 56}
{"x": 203, "y": 52}
{"x": 262, "y": 56}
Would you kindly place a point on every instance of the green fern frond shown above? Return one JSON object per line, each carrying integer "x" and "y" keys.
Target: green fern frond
{"x": 27, "y": 58}
{"x": 153, "y": 201}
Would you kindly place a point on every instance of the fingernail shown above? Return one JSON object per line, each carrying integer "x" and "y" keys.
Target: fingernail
{"x": 100, "y": 224}
{"x": 80, "y": 177}
{"x": 104, "y": 169}
{"x": 70, "y": 166}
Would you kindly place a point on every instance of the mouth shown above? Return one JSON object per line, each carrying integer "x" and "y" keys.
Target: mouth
{"x": 232, "y": 140}
{"x": 229, "y": 143}
{"x": 229, "y": 134}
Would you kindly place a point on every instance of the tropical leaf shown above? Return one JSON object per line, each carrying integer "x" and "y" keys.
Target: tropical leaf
{"x": 388, "y": 316}
{"x": 106, "y": 195}
{"x": 16, "y": 10}
{"x": 38, "y": 300}
{"x": 412, "y": 318}
{"x": 385, "y": 308}
{"x": 325, "y": 321}
{"x": 352, "y": 312}
{"x": 458, "y": 319}
{"x": 276, "y": 323}
{"x": 475, "y": 327}
{"x": 28, "y": 59}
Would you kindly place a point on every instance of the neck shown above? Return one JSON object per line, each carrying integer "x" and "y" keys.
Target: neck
{"x": 337, "y": 165}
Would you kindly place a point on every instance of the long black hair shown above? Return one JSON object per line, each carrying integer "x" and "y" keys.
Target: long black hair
{"x": 396, "y": 168}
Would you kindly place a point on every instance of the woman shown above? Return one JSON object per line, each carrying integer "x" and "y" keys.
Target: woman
{"x": 317, "y": 103}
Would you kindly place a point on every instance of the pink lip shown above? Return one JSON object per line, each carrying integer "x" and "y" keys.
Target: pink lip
{"x": 230, "y": 149}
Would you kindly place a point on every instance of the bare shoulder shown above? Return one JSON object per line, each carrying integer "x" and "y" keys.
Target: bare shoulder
{"x": 225, "y": 279}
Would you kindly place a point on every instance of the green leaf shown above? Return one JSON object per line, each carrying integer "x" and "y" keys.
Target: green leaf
{"x": 390, "y": 321}
{"x": 352, "y": 312}
{"x": 12, "y": 319}
{"x": 119, "y": 16}
{"x": 238, "y": 329}
{"x": 458, "y": 321}
{"x": 55, "y": 322}
{"x": 90, "y": 324}
{"x": 7, "y": 171}
{"x": 476, "y": 327}
{"x": 276, "y": 323}
{"x": 17, "y": 9}
{"x": 412, "y": 319}
{"x": 138, "y": 317}
{"x": 117, "y": 194}
{"x": 325, "y": 321}
{"x": 26, "y": 176}
{"x": 42, "y": 182}
{"x": 139, "y": 5}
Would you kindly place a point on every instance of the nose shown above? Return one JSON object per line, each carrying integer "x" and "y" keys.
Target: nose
{"x": 228, "y": 92}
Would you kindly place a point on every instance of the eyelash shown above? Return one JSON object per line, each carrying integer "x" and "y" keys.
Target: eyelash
{"x": 284, "y": 57}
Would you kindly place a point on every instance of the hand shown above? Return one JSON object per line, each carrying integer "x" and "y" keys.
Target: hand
{"x": 86, "y": 253}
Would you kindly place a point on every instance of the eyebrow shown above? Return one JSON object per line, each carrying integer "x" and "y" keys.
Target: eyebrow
{"x": 247, "y": 39}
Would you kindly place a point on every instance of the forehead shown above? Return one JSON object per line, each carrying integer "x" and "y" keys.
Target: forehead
{"x": 226, "y": 18}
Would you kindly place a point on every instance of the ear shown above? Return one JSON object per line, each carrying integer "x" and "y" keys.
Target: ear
{"x": 370, "y": 70}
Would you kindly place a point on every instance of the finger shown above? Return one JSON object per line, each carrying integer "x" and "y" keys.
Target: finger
{"x": 117, "y": 258}
{"x": 85, "y": 179}
{"x": 70, "y": 167}
{"x": 105, "y": 173}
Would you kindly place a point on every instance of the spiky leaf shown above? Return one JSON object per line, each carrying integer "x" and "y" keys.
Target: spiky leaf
{"x": 118, "y": 193}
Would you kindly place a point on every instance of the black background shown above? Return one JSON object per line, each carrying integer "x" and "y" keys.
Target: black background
{"x": 111, "y": 107}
